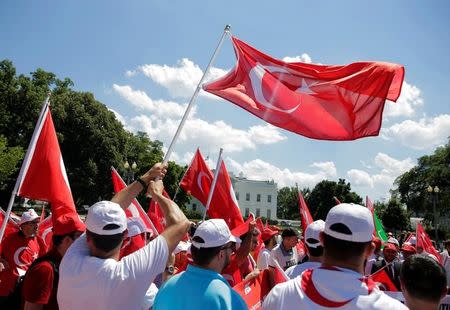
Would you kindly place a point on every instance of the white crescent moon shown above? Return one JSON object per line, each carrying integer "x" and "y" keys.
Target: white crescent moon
{"x": 16, "y": 256}
{"x": 133, "y": 210}
{"x": 45, "y": 233}
{"x": 256, "y": 75}
{"x": 199, "y": 180}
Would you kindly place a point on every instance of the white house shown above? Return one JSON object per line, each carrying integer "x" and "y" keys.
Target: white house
{"x": 257, "y": 197}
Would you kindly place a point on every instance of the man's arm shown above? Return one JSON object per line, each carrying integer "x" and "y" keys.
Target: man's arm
{"x": 126, "y": 196}
{"x": 246, "y": 245}
{"x": 177, "y": 224}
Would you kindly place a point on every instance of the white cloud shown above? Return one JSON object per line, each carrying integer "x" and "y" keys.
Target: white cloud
{"x": 143, "y": 102}
{"x": 180, "y": 80}
{"x": 165, "y": 117}
{"x": 119, "y": 117}
{"x": 427, "y": 133}
{"x": 130, "y": 73}
{"x": 410, "y": 99}
{"x": 390, "y": 169}
{"x": 302, "y": 58}
{"x": 258, "y": 169}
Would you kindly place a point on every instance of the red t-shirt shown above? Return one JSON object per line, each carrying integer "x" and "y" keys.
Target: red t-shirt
{"x": 20, "y": 252}
{"x": 236, "y": 270}
{"x": 39, "y": 286}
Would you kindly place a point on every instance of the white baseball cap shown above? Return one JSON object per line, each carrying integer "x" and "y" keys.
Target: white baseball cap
{"x": 312, "y": 233}
{"x": 104, "y": 213}
{"x": 349, "y": 222}
{"x": 28, "y": 216}
{"x": 214, "y": 233}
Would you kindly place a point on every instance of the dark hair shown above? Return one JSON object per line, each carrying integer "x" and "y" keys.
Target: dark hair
{"x": 316, "y": 252}
{"x": 57, "y": 239}
{"x": 341, "y": 249}
{"x": 106, "y": 243}
{"x": 203, "y": 256}
{"x": 266, "y": 242}
{"x": 289, "y": 232}
{"x": 423, "y": 277}
{"x": 447, "y": 242}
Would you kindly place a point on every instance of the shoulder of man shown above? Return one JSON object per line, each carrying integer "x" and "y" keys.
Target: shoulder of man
{"x": 387, "y": 302}
{"x": 282, "y": 294}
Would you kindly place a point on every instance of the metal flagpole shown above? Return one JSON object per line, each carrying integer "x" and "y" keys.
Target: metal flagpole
{"x": 213, "y": 186}
{"x": 26, "y": 163}
{"x": 194, "y": 96}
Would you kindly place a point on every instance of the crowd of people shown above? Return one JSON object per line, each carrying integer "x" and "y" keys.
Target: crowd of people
{"x": 196, "y": 266}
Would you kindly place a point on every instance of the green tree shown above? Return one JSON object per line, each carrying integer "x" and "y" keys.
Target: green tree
{"x": 394, "y": 216}
{"x": 431, "y": 170}
{"x": 10, "y": 158}
{"x": 287, "y": 203}
{"x": 321, "y": 199}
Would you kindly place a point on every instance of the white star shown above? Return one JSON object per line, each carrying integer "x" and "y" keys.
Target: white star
{"x": 304, "y": 89}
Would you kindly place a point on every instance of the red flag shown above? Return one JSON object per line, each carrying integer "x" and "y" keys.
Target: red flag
{"x": 11, "y": 226}
{"x": 44, "y": 174}
{"x": 135, "y": 210}
{"x": 45, "y": 231}
{"x": 198, "y": 178}
{"x": 337, "y": 200}
{"x": 384, "y": 282}
{"x": 156, "y": 215}
{"x": 306, "y": 217}
{"x": 424, "y": 241}
{"x": 255, "y": 290}
{"x": 317, "y": 101}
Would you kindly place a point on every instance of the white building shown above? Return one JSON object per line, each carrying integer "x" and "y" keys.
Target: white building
{"x": 257, "y": 197}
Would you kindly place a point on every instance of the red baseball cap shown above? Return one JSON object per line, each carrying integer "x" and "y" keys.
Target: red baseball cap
{"x": 408, "y": 248}
{"x": 390, "y": 246}
{"x": 68, "y": 223}
{"x": 267, "y": 234}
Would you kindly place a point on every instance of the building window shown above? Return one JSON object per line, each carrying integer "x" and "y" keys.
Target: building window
{"x": 258, "y": 197}
{"x": 247, "y": 197}
{"x": 269, "y": 198}
{"x": 258, "y": 212}
{"x": 247, "y": 212}
{"x": 194, "y": 207}
{"x": 268, "y": 213}
{"x": 237, "y": 196}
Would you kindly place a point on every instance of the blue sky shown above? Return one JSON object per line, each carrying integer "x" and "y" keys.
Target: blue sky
{"x": 143, "y": 59}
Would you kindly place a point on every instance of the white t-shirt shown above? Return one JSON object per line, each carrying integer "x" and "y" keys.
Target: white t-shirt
{"x": 285, "y": 258}
{"x": 263, "y": 259}
{"x": 88, "y": 282}
{"x": 297, "y": 270}
{"x": 329, "y": 287}
{"x": 446, "y": 264}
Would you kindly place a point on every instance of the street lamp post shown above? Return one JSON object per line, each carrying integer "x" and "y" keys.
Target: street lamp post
{"x": 129, "y": 171}
{"x": 434, "y": 197}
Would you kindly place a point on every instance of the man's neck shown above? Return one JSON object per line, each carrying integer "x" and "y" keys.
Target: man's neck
{"x": 420, "y": 305}
{"x": 352, "y": 265}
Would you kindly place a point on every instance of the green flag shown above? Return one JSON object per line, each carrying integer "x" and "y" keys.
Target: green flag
{"x": 381, "y": 234}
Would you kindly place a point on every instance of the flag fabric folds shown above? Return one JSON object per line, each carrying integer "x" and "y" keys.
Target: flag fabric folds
{"x": 156, "y": 214}
{"x": 383, "y": 281}
{"x": 255, "y": 290}
{"x": 326, "y": 102}
{"x": 198, "y": 180}
{"x": 134, "y": 212}
{"x": 378, "y": 226}
{"x": 305, "y": 215}
{"x": 424, "y": 241}
{"x": 44, "y": 175}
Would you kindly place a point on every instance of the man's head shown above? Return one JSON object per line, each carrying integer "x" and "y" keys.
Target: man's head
{"x": 423, "y": 280}
{"x": 106, "y": 225}
{"x": 29, "y": 223}
{"x": 390, "y": 252}
{"x": 447, "y": 245}
{"x": 268, "y": 236}
{"x": 377, "y": 243}
{"x": 290, "y": 238}
{"x": 408, "y": 250}
{"x": 212, "y": 245}
{"x": 347, "y": 237}
{"x": 66, "y": 229}
{"x": 312, "y": 238}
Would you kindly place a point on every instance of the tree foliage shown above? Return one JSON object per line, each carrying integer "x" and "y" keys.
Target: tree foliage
{"x": 90, "y": 137}
{"x": 394, "y": 216}
{"x": 431, "y": 170}
{"x": 9, "y": 159}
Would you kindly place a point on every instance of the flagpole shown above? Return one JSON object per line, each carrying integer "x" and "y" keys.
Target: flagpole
{"x": 213, "y": 186}
{"x": 26, "y": 162}
{"x": 194, "y": 96}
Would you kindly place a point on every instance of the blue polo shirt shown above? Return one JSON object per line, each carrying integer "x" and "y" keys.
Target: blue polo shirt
{"x": 198, "y": 288}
